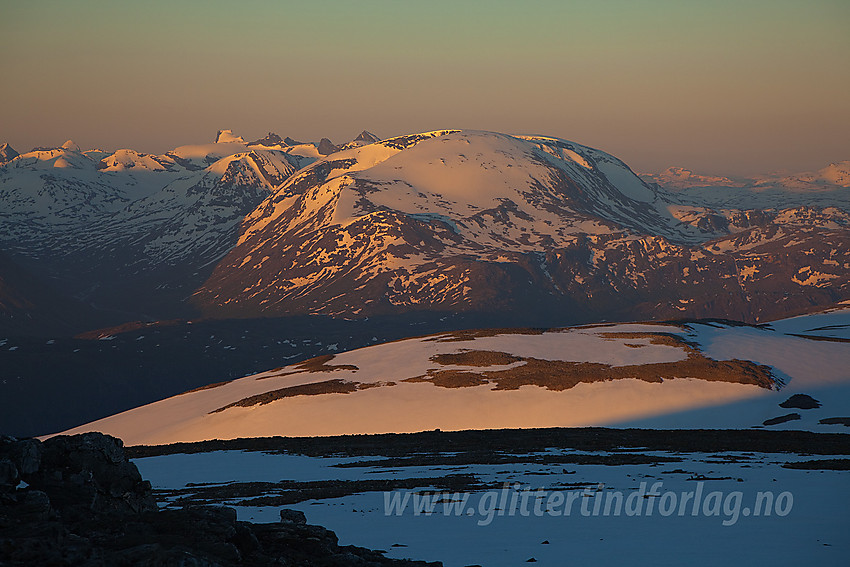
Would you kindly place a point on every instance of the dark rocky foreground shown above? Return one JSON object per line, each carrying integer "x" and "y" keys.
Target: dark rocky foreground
{"x": 78, "y": 501}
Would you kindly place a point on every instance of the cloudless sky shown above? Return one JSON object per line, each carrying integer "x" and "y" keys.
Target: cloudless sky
{"x": 725, "y": 87}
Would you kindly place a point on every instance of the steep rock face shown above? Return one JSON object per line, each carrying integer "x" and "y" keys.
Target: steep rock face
{"x": 7, "y": 153}
{"x": 478, "y": 221}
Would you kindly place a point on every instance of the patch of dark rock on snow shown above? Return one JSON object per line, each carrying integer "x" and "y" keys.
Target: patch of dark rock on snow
{"x": 492, "y": 458}
{"x": 781, "y": 419}
{"x": 845, "y": 421}
{"x": 821, "y": 465}
{"x": 326, "y": 147}
{"x": 77, "y": 500}
{"x": 287, "y": 492}
{"x": 292, "y": 516}
{"x": 800, "y": 401}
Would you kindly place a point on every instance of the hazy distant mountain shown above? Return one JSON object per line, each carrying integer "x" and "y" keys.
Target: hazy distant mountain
{"x": 823, "y": 189}
{"x": 833, "y": 176}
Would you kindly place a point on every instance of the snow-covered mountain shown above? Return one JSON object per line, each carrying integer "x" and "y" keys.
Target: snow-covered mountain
{"x": 115, "y": 226}
{"x": 704, "y": 374}
{"x": 53, "y": 189}
{"x": 459, "y": 221}
{"x": 48, "y": 188}
{"x": 481, "y": 221}
{"x": 824, "y": 188}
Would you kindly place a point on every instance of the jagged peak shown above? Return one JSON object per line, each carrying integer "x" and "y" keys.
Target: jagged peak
{"x": 8, "y": 153}
{"x": 271, "y": 139}
{"x": 326, "y": 147}
{"x": 227, "y": 136}
{"x": 366, "y": 136}
{"x": 71, "y": 145}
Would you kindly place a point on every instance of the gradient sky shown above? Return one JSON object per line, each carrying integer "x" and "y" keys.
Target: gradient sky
{"x": 724, "y": 87}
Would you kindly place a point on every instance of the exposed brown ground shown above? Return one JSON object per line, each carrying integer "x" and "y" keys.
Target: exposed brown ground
{"x": 316, "y": 364}
{"x": 368, "y": 385}
{"x": 207, "y": 387}
{"x": 468, "y": 335}
{"x": 561, "y": 375}
{"x": 555, "y": 375}
{"x": 476, "y": 358}
{"x": 451, "y": 379}
{"x": 336, "y": 386}
{"x": 664, "y": 339}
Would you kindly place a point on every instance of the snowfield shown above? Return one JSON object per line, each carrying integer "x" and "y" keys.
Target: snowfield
{"x": 696, "y": 375}
{"x": 689, "y": 507}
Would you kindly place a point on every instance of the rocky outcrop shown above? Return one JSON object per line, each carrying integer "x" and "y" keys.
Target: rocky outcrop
{"x": 78, "y": 501}
{"x": 7, "y": 153}
{"x": 326, "y": 147}
{"x": 800, "y": 401}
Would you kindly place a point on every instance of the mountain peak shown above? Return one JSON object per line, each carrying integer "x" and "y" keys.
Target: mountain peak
{"x": 326, "y": 147}
{"x": 7, "y": 153}
{"x": 227, "y": 136}
{"x": 682, "y": 178}
{"x": 366, "y": 136}
{"x": 271, "y": 139}
{"x": 837, "y": 173}
{"x": 71, "y": 145}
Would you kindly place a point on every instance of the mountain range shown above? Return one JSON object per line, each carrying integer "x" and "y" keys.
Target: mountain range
{"x": 448, "y": 221}
{"x": 152, "y": 274}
